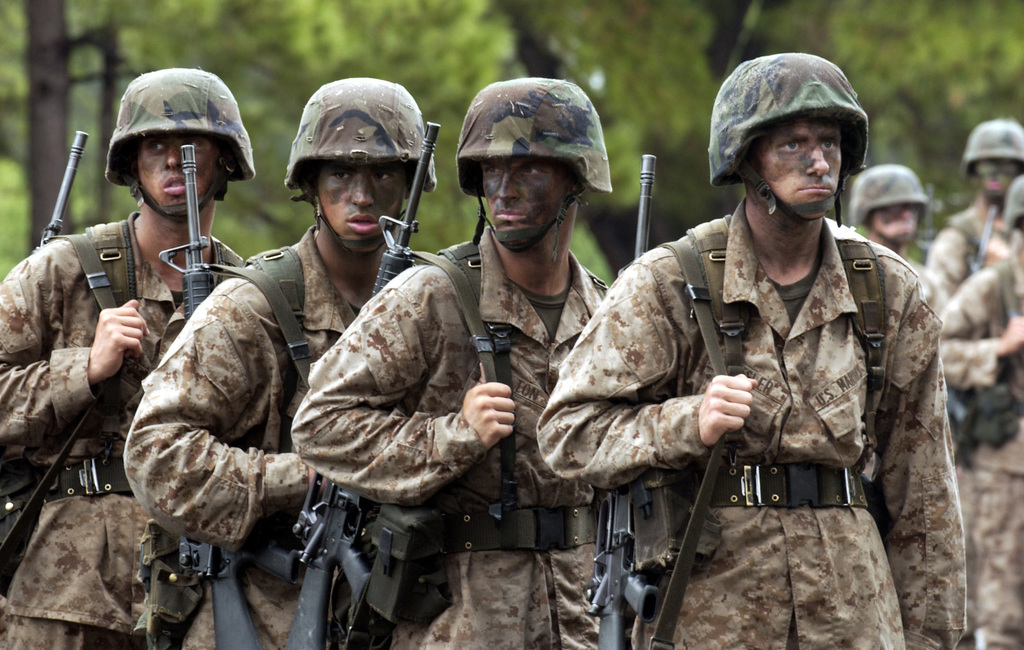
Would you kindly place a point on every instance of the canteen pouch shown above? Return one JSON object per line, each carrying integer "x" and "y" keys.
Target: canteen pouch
{"x": 408, "y": 580}
{"x": 662, "y": 502}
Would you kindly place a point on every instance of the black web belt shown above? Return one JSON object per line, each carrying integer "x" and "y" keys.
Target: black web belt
{"x": 788, "y": 486}
{"x": 93, "y": 477}
{"x": 536, "y": 529}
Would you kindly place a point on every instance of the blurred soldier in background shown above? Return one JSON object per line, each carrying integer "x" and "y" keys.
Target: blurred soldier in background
{"x": 994, "y": 156}
{"x": 64, "y": 358}
{"x": 982, "y": 341}
{"x": 888, "y": 202}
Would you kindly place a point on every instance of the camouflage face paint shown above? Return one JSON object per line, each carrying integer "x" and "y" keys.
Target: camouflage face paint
{"x": 800, "y": 160}
{"x": 353, "y": 198}
{"x": 157, "y": 165}
{"x": 524, "y": 192}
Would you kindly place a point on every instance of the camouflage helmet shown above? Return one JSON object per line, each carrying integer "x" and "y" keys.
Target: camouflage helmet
{"x": 533, "y": 117}
{"x": 1003, "y": 138}
{"x": 1013, "y": 209}
{"x": 769, "y": 90}
{"x": 884, "y": 185}
{"x": 361, "y": 120}
{"x": 178, "y": 100}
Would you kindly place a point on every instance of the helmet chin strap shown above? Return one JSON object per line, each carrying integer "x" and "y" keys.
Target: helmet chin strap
{"x": 522, "y": 239}
{"x": 350, "y": 245}
{"x": 799, "y": 210}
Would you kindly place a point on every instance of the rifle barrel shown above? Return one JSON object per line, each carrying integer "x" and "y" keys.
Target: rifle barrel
{"x": 60, "y": 208}
{"x": 643, "y": 220}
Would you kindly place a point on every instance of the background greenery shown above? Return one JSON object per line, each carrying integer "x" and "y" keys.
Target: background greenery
{"x": 926, "y": 71}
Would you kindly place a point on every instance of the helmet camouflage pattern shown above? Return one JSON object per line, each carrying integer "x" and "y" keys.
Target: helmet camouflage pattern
{"x": 362, "y": 121}
{"x": 178, "y": 100}
{"x": 778, "y": 88}
{"x": 533, "y": 117}
{"x": 1014, "y": 207}
{"x": 884, "y": 185}
{"x": 1003, "y": 138}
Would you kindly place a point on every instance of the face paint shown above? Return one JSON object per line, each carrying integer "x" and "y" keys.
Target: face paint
{"x": 525, "y": 192}
{"x": 354, "y": 197}
{"x": 995, "y": 175}
{"x": 896, "y": 224}
{"x": 800, "y": 161}
{"x": 157, "y": 165}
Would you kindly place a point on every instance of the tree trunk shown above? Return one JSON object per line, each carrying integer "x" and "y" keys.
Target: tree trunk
{"x": 47, "y": 59}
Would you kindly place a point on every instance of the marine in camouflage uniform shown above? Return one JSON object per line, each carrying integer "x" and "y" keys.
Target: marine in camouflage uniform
{"x": 888, "y": 201}
{"x": 638, "y": 391}
{"x": 980, "y": 347}
{"x": 994, "y": 155}
{"x": 219, "y": 393}
{"x": 399, "y": 411}
{"x": 79, "y": 585}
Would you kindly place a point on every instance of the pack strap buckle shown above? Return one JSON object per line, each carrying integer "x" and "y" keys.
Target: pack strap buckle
{"x": 89, "y": 478}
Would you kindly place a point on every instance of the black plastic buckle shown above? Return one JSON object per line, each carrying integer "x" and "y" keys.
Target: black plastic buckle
{"x": 299, "y": 350}
{"x": 550, "y": 529}
{"x": 501, "y": 335}
{"x": 802, "y": 485}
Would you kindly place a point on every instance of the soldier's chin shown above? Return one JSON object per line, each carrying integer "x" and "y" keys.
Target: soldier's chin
{"x": 176, "y": 211}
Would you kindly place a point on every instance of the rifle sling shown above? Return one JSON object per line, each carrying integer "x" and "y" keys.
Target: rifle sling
{"x": 672, "y": 600}
{"x": 493, "y": 346}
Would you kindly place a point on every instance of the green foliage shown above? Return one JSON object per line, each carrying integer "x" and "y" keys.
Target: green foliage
{"x": 926, "y": 72}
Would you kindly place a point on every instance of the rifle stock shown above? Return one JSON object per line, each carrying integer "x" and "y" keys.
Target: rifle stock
{"x": 60, "y": 208}
{"x": 330, "y": 529}
{"x": 615, "y": 585}
{"x": 233, "y": 626}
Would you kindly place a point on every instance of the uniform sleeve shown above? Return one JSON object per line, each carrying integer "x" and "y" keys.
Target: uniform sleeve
{"x": 42, "y": 389}
{"x": 967, "y": 346}
{"x": 186, "y": 457}
{"x": 614, "y": 411}
{"x": 917, "y": 476}
{"x": 947, "y": 265}
{"x": 375, "y": 419}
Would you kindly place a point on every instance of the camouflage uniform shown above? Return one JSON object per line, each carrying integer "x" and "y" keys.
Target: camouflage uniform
{"x": 972, "y": 325}
{"x": 82, "y": 563}
{"x": 384, "y": 417}
{"x": 218, "y": 393}
{"x": 629, "y": 395}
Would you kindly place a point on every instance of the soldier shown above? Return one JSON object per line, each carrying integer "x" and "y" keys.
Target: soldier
{"x": 993, "y": 157}
{"x": 78, "y": 585}
{"x": 222, "y": 392}
{"x": 888, "y": 201}
{"x": 399, "y": 409}
{"x": 804, "y": 565}
{"x": 982, "y": 339}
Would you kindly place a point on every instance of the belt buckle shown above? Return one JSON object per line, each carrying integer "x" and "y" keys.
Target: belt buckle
{"x": 89, "y": 478}
{"x": 550, "y": 531}
{"x": 846, "y": 486}
{"x": 750, "y": 485}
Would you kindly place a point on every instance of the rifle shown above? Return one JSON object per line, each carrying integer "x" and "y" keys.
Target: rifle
{"x": 398, "y": 257}
{"x": 60, "y": 208}
{"x": 615, "y": 583}
{"x": 330, "y": 526}
{"x": 233, "y": 627}
{"x": 197, "y": 277}
{"x": 986, "y": 234}
{"x": 928, "y": 233}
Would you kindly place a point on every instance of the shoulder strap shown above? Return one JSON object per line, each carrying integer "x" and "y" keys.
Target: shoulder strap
{"x": 493, "y": 344}
{"x": 278, "y": 275}
{"x": 107, "y": 259}
{"x": 867, "y": 284}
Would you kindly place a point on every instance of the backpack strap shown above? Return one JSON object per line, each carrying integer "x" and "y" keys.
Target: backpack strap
{"x": 493, "y": 344}
{"x": 278, "y": 275}
{"x": 867, "y": 284}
